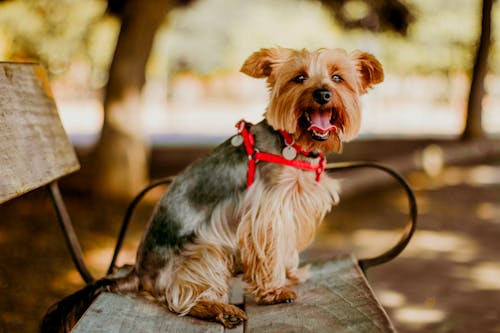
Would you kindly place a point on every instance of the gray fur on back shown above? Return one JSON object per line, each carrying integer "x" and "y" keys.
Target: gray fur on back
{"x": 192, "y": 197}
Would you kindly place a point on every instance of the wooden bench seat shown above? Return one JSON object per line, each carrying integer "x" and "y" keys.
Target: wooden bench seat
{"x": 337, "y": 298}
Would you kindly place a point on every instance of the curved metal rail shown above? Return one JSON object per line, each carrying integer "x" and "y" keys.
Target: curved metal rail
{"x": 128, "y": 216}
{"x": 363, "y": 263}
{"x": 69, "y": 232}
{"x": 410, "y": 227}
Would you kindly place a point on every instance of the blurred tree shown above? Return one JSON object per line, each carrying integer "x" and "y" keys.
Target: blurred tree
{"x": 120, "y": 160}
{"x": 473, "y": 120}
{"x": 51, "y": 32}
{"x": 377, "y": 16}
{"x": 55, "y": 32}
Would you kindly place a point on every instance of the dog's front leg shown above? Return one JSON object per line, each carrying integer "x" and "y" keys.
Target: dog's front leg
{"x": 264, "y": 255}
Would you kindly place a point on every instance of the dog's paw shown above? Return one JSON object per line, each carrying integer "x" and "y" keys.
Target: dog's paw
{"x": 280, "y": 295}
{"x": 231, "y": 316}
{"x": 228, "y": 315}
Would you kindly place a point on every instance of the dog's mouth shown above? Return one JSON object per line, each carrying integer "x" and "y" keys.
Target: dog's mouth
{"x": 320, "y": 123}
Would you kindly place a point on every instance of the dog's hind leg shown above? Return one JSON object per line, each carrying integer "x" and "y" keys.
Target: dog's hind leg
{"x": 200, "y": 286}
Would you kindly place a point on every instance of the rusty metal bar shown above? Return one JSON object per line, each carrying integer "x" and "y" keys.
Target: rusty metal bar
{"x": 364, "y": 263}
{"x": 410, "y": 227}
{"x": 128, "y": 216}
{"x": 69, "y": 232}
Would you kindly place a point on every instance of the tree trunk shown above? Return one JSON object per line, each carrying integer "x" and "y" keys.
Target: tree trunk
{"x": 473, "y": 121}
{"x": 120, "y": 160}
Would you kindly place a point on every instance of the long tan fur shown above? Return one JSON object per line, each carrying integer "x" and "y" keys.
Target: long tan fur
{"x": 209, "y": 226}
{"x": 279, "y": 221}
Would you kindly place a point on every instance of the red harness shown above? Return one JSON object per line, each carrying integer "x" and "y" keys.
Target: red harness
{"x": 255, "y": 155}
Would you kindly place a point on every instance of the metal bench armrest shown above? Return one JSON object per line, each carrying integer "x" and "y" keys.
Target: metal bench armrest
{"x": 412, "y": 223}
{"x": 363, "y": 263}
{"x": 128, "y": 216}
{"x": 69, "y": 232}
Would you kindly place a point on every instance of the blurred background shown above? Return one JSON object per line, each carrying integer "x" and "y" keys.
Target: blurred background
{"x": 145, "y": 87}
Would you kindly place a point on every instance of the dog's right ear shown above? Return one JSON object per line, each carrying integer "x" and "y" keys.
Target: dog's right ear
{"x": 262, "y": 63}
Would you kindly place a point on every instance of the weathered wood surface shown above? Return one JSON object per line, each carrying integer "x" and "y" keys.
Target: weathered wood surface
{"x": 336, "y": 299}
{"x": 112, "y": 313}
{"x": 34, "y": 148}
{"x": 237, "y": 297}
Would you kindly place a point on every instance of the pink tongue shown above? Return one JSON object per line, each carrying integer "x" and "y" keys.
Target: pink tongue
{"x": 320, "y": 122}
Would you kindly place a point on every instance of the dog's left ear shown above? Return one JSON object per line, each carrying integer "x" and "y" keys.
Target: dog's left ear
{"x": 261, "y": 63}
{"x": 369, "y": 68}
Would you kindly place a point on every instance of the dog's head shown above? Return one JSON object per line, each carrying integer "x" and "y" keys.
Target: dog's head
{"x": 315, "y": 95}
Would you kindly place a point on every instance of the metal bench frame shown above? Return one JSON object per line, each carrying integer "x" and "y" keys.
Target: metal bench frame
{"x": 365, "y": 263}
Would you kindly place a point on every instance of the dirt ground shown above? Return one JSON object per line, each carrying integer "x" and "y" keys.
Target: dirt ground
{"x": 447, "y": 280}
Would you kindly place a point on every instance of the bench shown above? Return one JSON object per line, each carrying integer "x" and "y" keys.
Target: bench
{"x": 336, "y": 299}
{"x": 36, "y": 152}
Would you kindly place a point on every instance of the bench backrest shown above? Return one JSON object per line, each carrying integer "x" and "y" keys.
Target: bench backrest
{"x": 34, "y": 148}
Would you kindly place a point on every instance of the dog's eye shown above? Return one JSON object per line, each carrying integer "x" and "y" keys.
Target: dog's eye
{"x": 337, "y": 78}
{"x": 299, "y": 78}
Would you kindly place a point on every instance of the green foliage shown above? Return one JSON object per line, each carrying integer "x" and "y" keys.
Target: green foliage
{"x": 216, "y": 35}
{"x": 442, "y": 39}
{"x": 54, "y": 32}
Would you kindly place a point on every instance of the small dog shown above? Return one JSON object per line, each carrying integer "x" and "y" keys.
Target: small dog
{"x": 254, "y": 203}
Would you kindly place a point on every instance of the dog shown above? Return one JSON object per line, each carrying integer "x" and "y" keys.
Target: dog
{"x": 254, "y": 203}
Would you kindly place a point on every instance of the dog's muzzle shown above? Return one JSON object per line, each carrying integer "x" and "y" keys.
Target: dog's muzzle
{"x": 320, "y": 123}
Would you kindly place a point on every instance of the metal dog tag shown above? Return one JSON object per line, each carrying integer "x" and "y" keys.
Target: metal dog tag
{"x": 237, "y": 140}
{"x": 289, "y": 153}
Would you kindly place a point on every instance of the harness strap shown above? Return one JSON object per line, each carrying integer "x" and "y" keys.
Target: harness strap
{"x": 254, "y": 155}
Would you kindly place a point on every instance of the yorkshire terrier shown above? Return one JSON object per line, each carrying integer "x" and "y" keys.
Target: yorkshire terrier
{"x": 254, "y": 203}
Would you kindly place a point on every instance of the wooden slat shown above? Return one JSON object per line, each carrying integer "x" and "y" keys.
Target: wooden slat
{"x": 336, "y": 299}
{"x": 113, "y": 313}
{"x": 237, "y": 297}
{"x": 236, "y": 291}
{"x": 34, "y": 148}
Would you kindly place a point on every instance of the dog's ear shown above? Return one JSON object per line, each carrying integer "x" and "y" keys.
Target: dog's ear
{"x": 369, "y": 68}
{"x": 261, "y": 63}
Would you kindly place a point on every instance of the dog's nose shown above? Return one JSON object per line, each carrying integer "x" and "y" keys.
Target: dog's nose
{"x": 322, "y": 96}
